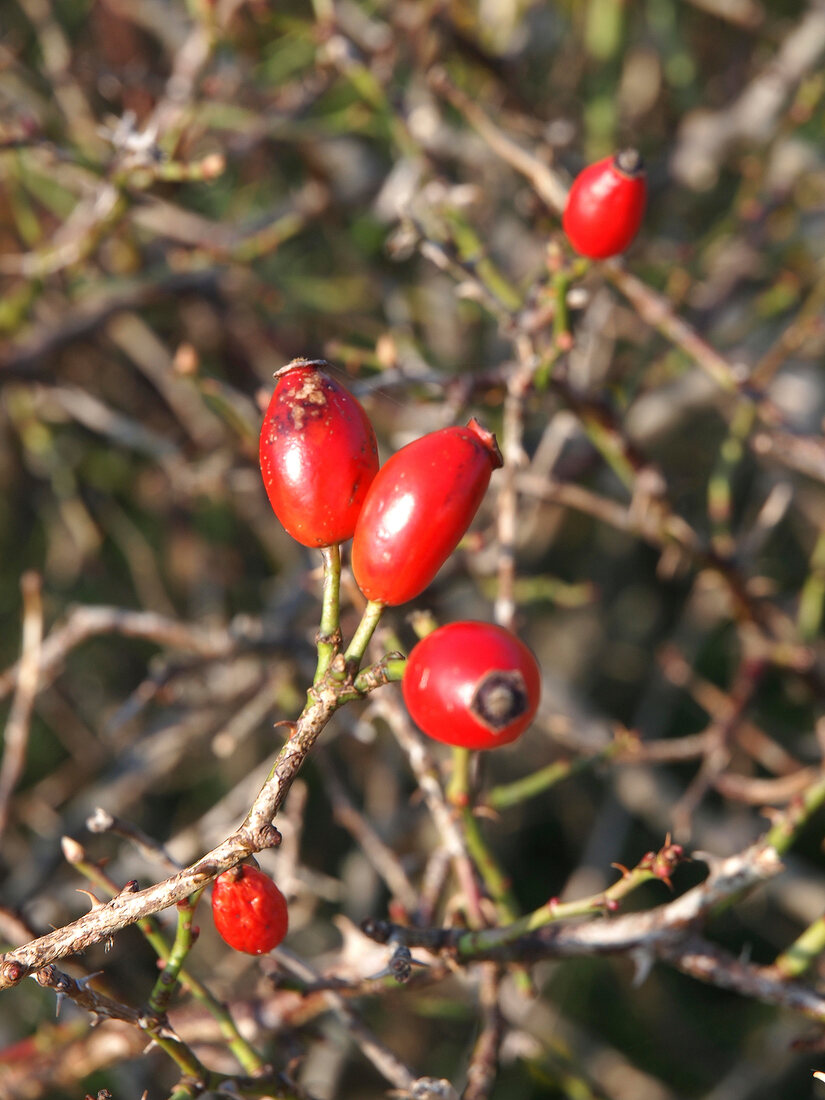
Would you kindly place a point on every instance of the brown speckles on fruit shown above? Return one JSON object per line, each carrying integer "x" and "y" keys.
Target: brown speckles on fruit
{"x": 318, "y": 455}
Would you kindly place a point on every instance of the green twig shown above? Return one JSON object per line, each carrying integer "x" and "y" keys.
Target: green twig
{"x": 511, "y": 794}
{"x": 812, "y": 596}
{"x": 366, "y": 628}
{"x": 720, "y": 487}
{"x": 654, "y": 866}
{"x": 802, "y": 953}
{"x": 329, "y": 634}
{"x": 185, "y": 937}
{"x": 783, "y": 834}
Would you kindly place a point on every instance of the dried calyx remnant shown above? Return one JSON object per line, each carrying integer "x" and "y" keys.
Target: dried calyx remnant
{"x": 629, "y": 162}
{"x": 500, "y": 698}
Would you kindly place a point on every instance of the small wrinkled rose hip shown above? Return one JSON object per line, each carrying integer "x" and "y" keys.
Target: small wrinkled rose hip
{"x": 471, "y": 684}
{"x": 249, "y": 910}
{"x": 605, "y": 205}
{"x": 318, "y": 455}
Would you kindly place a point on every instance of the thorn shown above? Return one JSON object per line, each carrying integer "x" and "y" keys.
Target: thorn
{"x": 487, "y": 812}
{"x": 291, "y": 726}
{"x": 96, "y": 903}
{"x": 643, "y": 959}
{"x": 84, "y": 981}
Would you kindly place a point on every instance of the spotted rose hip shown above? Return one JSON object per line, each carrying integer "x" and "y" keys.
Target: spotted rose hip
{"x": 318, "y": 455}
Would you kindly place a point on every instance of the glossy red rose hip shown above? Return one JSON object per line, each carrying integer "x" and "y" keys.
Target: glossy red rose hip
{"x": 605, "y": 205}
{"x": 318, "y": 455}
{"x": 472, "y": 684}
{"x": 418, "y": 507}
{"x": 249, "y": 910}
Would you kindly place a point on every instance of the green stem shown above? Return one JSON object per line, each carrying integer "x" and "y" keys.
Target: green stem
{"x": 720, "y": 484}
{"x": 366, "y": 628}
{"x": 181, "y": 1055}
{"x": 561, "y": 316}
{"x": 329, "y": 635}
{"x": 812, "y": 596}
{"x": 802, "y": 953}
{"x": 536, "y": 783}
{"x": 185, "y": 1090}
{"x": 554, "y": 910}
{"x": 184, "y": 940}
{"x": 389, "y": 670}
{"x": 497, "y": 883}
{"x": 782, "y": 836}
{"x": 611, "y": 447}
{"x": 458, "y": 789}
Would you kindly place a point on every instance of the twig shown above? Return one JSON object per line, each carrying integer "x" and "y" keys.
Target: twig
{"x": 802, "y": 954}
{"x": 83, "y": 623}
{"x": 728, "y": 878}
{"x": 32, "y": 354}
{"x": 77, "y": 990}
{"x": 709, "y": 963}
{"x": 18, "y": 724}
{"x": 383, "y": 859}
{"x": 707, "y": 136}
{"x": 388, "y": 1064}
{"x": 717, "y": 703}
{"x": 718, "y": 750}
{"x": 101, "y": 821}
{"x": 255, "y": 833}
{"x": 426, "y": 775}
{"x": 481, "y": 1072}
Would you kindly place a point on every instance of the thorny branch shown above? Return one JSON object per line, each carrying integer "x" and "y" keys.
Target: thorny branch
{"x": 667, "y": 933}
{"x": 255, "y": 834}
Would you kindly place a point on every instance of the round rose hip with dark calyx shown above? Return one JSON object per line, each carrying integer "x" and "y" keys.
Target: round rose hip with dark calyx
{"x": 419, "y": 506}
{"x": 472, "y": 684}
{"x": 318, "y": 454}
{"x": 605, "y": 205}
{"x": 249, "y": 910}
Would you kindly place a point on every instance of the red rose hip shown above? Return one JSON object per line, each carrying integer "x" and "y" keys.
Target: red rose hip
{"x": 418, "y": 507}
{"x": 605, "y": 205}
{"x": 249, "y": 910}
{"x": 472, "y": 684}
{"x": 318, "y": 455}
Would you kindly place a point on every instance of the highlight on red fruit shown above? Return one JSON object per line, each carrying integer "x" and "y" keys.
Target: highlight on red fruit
{"x": 472, "y": 684}
{"x": 318, "y": 454}
{"x": 605, "y": 205}
{"x": 417, "y": 509}
{"x": 249, "y": 910}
